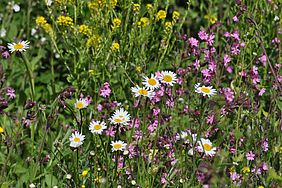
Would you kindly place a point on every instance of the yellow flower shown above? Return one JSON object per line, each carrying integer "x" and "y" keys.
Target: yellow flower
{"x": 138, "y": 69}
{"x": 115, "y": 46}
{"x": 96, "y": 4}
{"x": 136, "y": 7}
{"x": 232, "y": 169}
{"x": 65, "y": 21}
{"x": 40, "y": 20}
{"x": 149, "y": 7}
{"x": 1, "y": 130}
{"x": 260, "y": 186}
{"x": 168, "y": 27}
{"x": 175, "y": 15}
{"x": 113, "y": 3}
{"x": 161, "y": 15}
{"x": 246, "y": 170}
{"x": 211, "y": 18}
{"x": 47, "y": 28}
{"x": 84, "y": 173}
{"x": 91, "y": 72}
{"x": 99, "y": 179}
{"x": 144, "y": 21}
{"x": 83, "y": 186}
{"x": 116, "y": 23}
{"x": 84, "y": 29}
{"x": 93, "y": 41}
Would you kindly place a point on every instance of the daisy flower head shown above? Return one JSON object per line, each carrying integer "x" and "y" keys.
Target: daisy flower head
{"x": 141, "y": 91}
{"x": 97, "y": 126}
{"x": 81, "y": 103}
{"x": 205, "y": 146}
{"x": 168, "y": 77}
{"x": 188, "y": 137}
{"x": 205, "y": 90}
{"x": 118, "y": 145}
{"x": 151, "y": 83}
{"x": 19, "y": 46}
{"x": 120, "y": 116}
{"x": 76, "y": 139}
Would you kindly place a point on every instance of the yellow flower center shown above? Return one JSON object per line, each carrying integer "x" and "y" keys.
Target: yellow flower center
{"x": 119, "y": 119}
{"x": 117, "y": 146}
{"x": 152, "y": 82}
{"x": 205, "y": 90}
{"x": 79, "y": 105}
{"x": 97, "y": 127}
{"x": 18, "y": 46}
{"x": 76, "y": 139}
{"x": 207, "y": 147}
{"x": 143, "y": 92}
{"x": 167, "y": 78}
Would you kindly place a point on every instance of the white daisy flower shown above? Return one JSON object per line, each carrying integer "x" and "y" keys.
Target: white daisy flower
{"x": 205, "y": 146}
{"x": 151, "y": 83}
{"x": 97, "y": 126}
{"x": 188, "y": 137}
{"x": 81, "y": 103}
{"x": 18, "y": 47}
{"x": 118, "y": 145}
{"x": 138, "y": 91}
{"x": 76, "y": 139}
{"x": 205, "y": 90}
{"x": 168, "y": 77}
{"x": 16, "y": 8}
{"x": 120, "y": 116}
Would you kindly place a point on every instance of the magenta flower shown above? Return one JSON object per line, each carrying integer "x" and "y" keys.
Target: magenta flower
{"x": 105, "y": 91}
{"x": 203, "y": 35}
{"x": 193, "y": 42}
{"x": 250, "y": 156}
{"x": 261, "y": 91}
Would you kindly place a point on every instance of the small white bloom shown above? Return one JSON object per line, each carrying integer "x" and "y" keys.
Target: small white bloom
{"x": 151, "y": 83}
{"x": 168, "y": 77}
{"x": 16, "y": 8}
{"x": 118, "y": 145}
{"x": 18, "y": 47}
{"x": 81, "y": 103}
{"x": 205, "y": 146}
{"x": 32, "y": 185}
{"x": 191, "y": 152}
{"x": 188, "y": 137}
{"x": 76, "y": 139}
{"x": 205, "y": 90}
{"x": 3, "y": 32}
{"x": 276, "y": 18}
{"x": 68, "y": 176}
{"x": 49, "y": 2}
{"x": 97, "y": 127}
{"x": 120, "y": 116}
{"x": 138, "y": 91}
{"x": 33, "y": 31}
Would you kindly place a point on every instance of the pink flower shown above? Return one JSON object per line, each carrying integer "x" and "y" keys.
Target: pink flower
{"x": 210, "y": 119}
{"x": 261, "y": 92}
{"x": 193, "y": 42}
{"x": 105, "y": 91}
{"x": 263, "y": 59}
{"x": 235, "y": 19}
{"x": 228, "y": 94}
{"x": 99, "y": 108}
{"x": 250, "y": 156}
{"x": 203, "y": 35}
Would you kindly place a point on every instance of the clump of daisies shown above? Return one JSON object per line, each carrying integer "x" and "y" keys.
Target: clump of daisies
{"x": 76, "y": 139}
{"x": 18, "y": 46}
{"x": 205, "y": 90}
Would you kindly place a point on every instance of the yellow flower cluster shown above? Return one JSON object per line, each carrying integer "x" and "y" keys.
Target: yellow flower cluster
{"x": 115, "y": 46}
{"x": 144, "y": 21}
{"x": 84, "y": 29}
{"x": 65, "y": 21}
{"x": 136, "y": 7}
{"x": 41, "y": 21}
{"x": 168, "y": 27}
{"x": 149, "y": 7}
{"x": 246, "y": 170}
{"x": 116, "y": 23}
{"x": 93, "y": 41}
{"x": 211, "y": 18}
{"x": 175, "y": 16}
{"x": 98, "y": 4}
{"x": 1, "y": 130}
{"x": 161, "y": 15}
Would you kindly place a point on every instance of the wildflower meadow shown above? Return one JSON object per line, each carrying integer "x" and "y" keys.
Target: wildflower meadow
{"x": 144, "y": 93}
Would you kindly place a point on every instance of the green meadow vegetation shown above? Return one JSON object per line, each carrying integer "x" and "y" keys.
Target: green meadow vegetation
{"x": 118, "y": 93}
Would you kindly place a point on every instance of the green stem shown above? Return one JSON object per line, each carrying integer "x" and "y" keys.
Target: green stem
{"x": 30, "y": 76}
